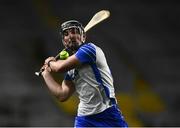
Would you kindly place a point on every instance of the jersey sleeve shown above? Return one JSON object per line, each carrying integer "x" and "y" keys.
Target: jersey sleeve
{"x": 86, "y": 53}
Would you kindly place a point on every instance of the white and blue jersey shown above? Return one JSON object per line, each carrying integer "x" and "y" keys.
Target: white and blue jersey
{"x": 93, "y": 80}
{"x": 94, "y": 85}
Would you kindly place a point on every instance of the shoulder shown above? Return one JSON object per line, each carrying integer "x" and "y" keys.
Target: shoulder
{"x": 86, "y": 53}
{"x": 88, "y": 46}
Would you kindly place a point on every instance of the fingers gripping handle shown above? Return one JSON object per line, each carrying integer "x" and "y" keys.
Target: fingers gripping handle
{"x": 41, "y": 70}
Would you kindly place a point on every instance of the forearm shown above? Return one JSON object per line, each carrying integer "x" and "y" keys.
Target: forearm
{"x": 54, "y": 87}
{"x": 63, "y": 91}
{"x": 64, "y": 65}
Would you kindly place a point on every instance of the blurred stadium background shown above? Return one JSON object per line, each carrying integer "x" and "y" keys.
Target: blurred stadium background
{"x": 140, "y": 40}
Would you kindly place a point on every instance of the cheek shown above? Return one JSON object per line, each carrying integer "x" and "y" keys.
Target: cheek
{"x": 78, "y": 37}
{"x": 66, "y": 39}
{"x": 65, "y": 42}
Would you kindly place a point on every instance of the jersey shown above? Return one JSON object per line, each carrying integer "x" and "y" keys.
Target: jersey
{"x": 93, "y": 80}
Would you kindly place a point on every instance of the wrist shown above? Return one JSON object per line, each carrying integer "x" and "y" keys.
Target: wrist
{"x": 45, "y": 73}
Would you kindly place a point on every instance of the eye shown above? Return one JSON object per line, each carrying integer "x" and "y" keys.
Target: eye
{"x": 65, "y": 33}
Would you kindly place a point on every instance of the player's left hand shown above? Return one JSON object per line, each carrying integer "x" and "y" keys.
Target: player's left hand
{"x": 49, "y": 59}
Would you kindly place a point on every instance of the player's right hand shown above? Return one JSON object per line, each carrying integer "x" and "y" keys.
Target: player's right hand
{"x": 46, "y": 69}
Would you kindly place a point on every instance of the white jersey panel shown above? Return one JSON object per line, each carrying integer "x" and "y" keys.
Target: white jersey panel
{"x": 93, "y": 80}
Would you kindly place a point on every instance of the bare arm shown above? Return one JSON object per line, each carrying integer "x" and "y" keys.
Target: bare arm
{"x": 64, "y": 65}
{"x": 62, "y": 92}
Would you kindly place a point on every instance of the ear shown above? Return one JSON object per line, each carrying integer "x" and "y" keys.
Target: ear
{"x": 83, "y": 38}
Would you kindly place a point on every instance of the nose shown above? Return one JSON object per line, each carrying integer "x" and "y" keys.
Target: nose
{"x": 70, "y": 37}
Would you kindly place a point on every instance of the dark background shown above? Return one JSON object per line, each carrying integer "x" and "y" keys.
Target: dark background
{"x": 141, "y": 43}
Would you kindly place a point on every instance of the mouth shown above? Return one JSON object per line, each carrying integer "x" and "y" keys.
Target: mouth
{"x": 73, "y": 41}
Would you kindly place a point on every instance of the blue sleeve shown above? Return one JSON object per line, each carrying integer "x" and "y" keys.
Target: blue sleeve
{"x": 86, "y": 53}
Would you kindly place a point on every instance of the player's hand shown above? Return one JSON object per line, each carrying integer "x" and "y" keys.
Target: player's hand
{"x": 49, "y": 59}
{"x": 46, "y": 69}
